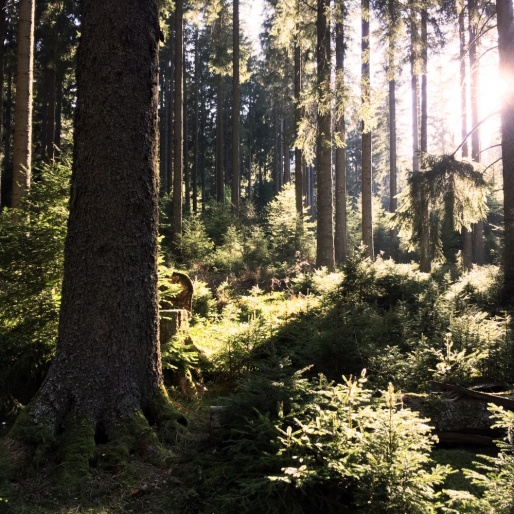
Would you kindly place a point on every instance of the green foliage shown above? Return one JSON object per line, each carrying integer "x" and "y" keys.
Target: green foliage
{"x": 31, "y": 263}
{"x": 194, "y": 244}
{"x": 494, "y": 476}
{"x": 449, "y": 189}
{"x": 326, "y": 448}
{"x": 290, "y": 238}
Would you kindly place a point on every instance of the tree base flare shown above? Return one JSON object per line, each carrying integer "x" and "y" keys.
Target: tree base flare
{"x": 83, "y": 442}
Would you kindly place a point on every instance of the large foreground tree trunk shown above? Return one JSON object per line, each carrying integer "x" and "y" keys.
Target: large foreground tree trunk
{"x": 506, "y": 53}
{"x": 107, "y": 370}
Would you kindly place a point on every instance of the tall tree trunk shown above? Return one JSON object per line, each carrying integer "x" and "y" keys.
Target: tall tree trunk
{"x": 106, "y": 375}
{"x": 298, "y": 165}
{"x": 505, "y": 26}
{"x": 58, "y": 111}
{"x": 171, "y": 106}
{"x": 7, "y": 164}
{"x": 393, "y": 190}
{"x": 187, "y": 172}
{"x": 50, "y": 116}
{"x": 22, "y": 157}
{"x": 220, "y": 146}
{"x": 196, "y": 123}
{"x": 325, "y": 255}
{"x": 3, "y": 26}
{"x": 474, "y": 66}
{"x": 235, "y": 111}
{"x": 424, "y": 245}
{"x": 287, "y": 153}
{"x": 467, "y": 240}
{"x": 423, "y": 139}
{"x": 367, "y": 180}
{"x": 340, "y": 237}
{"x": 178, "y": 130}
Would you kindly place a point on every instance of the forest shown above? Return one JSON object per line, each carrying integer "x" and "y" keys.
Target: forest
{"x": 256, "y": 256}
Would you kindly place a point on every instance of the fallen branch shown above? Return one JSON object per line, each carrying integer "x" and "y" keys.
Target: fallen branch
{"x": 476, "y": 395}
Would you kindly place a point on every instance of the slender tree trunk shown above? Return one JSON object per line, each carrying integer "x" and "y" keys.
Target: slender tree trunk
{"x": 424, "y": 84}
{"x": 50, "y": 115}
{"x": 287, "y": 153}
{"x": 467, "y": 240}
{"x": 178, "y": 132}
{"x": 187, "y": 172}
{"x": 474, "y": 66}
{"x": 506, "y": 52}
{"x": 196, "y": 123}
{"x": 171, "y": 105}
{"x": 393, "y": 191}
{"x": 7, "y": 164}
{"x": 340, "y": 239}
{"x": 235, "y": 112}
{"x": 3, "y": 26}
{"x": 325, "y": 227}
{"x": 58, "y": 112}
{"x": 22, "y": 159}
{"x": 367, "y": 180}
{"x": 298, "y": 165}
{"x": 220, "y": 146}
{"x": 424, "y": 246}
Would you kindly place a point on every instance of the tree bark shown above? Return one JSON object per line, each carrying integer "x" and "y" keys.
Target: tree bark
{"x": 178, "y": 131}
{"x": 3, "y": 26}
{"x": 393, "y": 202}
{"x": 340, "y": 237}
{"x": 474, "y": 66}
{"x": 467, "y": 248}
{"x": 506, "y": 53}
{"x": 196, "y": 123}
{"x": 220, "y": 146}
{"x": 235, "y": 110}
{"x": 298, "y": 166}
{"x": 22, "y": 156}
{"x": 325, "y": 255}
{"x": 367, "y": 179}
{"x": 106, "y": 375}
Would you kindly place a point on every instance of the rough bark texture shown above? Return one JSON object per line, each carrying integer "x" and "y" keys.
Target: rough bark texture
{"x": 340, "y": 237}
{"x": 467, "y": 251}
{"x": 367, "y": 180}
{"x": 22, "y": 155}
{"x": 506, "y": 53}
{"x": 178, "y": 132}
{"x": 235, "y": 111}
{"x": 393, "y": 202}
{"x": 325, "y": 232}
{"x": 107, "y": 369}
{"x": 298, "y": 165}
{"x": 3, "y": 25}
{"x": 474, "y": 66}
{"x": 220, "y": 146}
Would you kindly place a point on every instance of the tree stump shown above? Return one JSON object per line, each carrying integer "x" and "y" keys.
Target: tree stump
{"x": 172, "y": 321}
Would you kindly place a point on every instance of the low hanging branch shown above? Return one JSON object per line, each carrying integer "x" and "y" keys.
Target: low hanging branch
{"x": 451, "y": 188}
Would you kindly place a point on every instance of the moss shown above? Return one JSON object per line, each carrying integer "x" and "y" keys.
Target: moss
{"x": 76, "y": 450}
{"x": 39, "y": 435}
{"x": 159, "y": 409}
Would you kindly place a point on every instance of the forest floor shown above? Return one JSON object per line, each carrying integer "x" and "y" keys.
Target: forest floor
{"x": 137, "y": 487}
